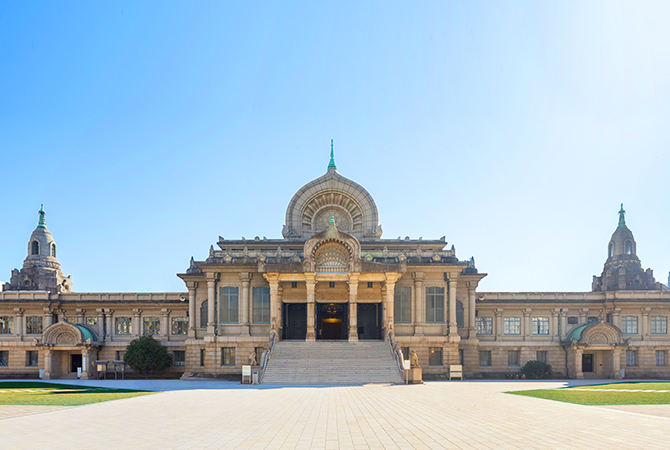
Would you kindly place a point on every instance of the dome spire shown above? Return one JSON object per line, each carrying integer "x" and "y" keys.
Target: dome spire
{"x": 622, "y": 217}
{"x": 331, "y": 164}
{"x": 42, "y": 222}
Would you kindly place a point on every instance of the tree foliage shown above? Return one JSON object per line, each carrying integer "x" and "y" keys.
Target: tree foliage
{"x": 147, "y": 356}
{"x": 537, "y": 370}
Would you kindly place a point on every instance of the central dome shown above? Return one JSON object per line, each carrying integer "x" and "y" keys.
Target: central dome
{"x": 332, "y": 195}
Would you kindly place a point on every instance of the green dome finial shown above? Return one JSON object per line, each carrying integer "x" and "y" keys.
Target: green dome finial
{"x": 332, "y": 220}
{"x": 42, "y": 222}
{"x": 331, "y": 164}
{"x": 622, "y": 217}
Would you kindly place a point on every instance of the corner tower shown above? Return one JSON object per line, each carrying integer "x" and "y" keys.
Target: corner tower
{"x": 623, "y": 270}
{"x": 41, "y": 270}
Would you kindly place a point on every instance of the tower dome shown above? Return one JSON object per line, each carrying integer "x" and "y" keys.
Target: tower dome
{"x": 623, "y": 269}
{"x": 41, "y": 269}
{"x": 332, "y": 195}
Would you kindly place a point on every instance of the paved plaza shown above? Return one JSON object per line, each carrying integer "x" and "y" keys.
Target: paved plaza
{"x": 226, "y": 415}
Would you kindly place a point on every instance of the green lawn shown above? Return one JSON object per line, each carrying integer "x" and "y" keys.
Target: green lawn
{"x": 37, "y": 393}
{"x": 639, "y": 393}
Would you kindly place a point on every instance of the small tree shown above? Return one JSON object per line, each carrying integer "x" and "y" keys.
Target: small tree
{"x": 146, "y": 356}
{"x": 537, "y": 370}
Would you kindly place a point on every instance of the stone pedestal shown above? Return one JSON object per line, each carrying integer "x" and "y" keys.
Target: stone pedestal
{"x": 415, "y": 375}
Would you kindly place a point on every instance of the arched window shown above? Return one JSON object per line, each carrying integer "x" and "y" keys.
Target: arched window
{"x": 611, "y": 250}
{"x": 629, "y": 248}
{"x": 53, "y": 250}
{"x": 35, "y": 248}
{"x": 203, "y": 314}
{"x": 459, "y": 314}
{"x": 332, "y": 257}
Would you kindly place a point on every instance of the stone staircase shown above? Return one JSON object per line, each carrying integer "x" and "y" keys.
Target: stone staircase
{"x": 332, "y": 362}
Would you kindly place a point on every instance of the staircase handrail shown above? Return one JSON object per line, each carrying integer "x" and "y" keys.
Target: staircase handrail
{"x": 396, "y": 352}
{"x": 267, "y": 354}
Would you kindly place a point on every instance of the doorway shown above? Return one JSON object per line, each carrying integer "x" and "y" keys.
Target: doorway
{"x": 332, "y": 321}
{"x": 295, "y": 320}
{"x": 369, "y": 321}
{"x": 587, "y": 362}
{"x": 75, "y": 362}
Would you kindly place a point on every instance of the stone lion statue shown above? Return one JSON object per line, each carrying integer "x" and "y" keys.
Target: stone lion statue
{"x": 251, "y": 359}
{"x": 414, "y": 359}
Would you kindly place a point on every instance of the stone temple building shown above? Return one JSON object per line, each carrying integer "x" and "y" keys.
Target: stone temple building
{"x": 333, "y": 295}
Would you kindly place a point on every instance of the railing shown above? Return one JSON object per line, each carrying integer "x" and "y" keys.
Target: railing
{"x": 396, "y": 352}
{"x": 267, "y": 354}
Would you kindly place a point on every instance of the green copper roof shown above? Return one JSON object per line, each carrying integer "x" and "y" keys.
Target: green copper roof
{"x": 86, "y": 332}
{"x": 331, "y": 164}
{"x": 622, "y": 217}
{"x": 576, "y": 333}
{"x": 42, "y": 222}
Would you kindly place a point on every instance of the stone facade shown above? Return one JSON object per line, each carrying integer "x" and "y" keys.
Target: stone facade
{"x": 332, "y": 276}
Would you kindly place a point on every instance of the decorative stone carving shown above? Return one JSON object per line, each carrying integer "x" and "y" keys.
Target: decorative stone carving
{"x": 251, "y": 359}
{"x": 414, "y": 360}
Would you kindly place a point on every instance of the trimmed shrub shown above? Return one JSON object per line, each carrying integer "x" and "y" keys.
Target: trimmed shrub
{"x": 537, "y": 370}
{"x": 146, "y": 356}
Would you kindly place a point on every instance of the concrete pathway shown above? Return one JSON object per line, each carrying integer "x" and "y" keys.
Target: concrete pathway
{"x": 224, "y": 415}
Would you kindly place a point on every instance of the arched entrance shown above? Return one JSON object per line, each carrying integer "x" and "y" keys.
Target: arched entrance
{"x": 595, "y": 351}
{"x": 68, "y": 347}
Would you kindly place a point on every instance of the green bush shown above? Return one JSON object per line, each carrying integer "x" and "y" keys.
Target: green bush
{"x": 537, "y": 370}
{"x": 146, "y": 356}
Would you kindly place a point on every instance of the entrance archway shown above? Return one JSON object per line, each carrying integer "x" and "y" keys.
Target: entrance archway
{"x": 332, "y": 321}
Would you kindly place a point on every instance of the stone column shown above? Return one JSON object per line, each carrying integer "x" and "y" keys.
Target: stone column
{"x": 18, "y": 322}
{"x": 311, "y": 319}
{"x": 616, "y": 363}
{"x": 616, "y": 317}
{"x": 192, "y": 310}
{"x": 280, "y": 318}
{"x": 101, "y": 323}
{"x": 80, "y": 316}
{"x": 645, "y": 328}
{"x": 526, "y": 328}
{"x": 110, "y": 325}
{"x": 578, "y": 364}
{"x": 453, "y": 325}
{"x": 583, "y": 317}
{"x": 564, "y": 323}
{"x": 85, "y": 363}
{"x": 245, "y": 309}
{"x": 48, "y": 318}
{"x": 273, "y": 280}
{"x": 211, "y": 304}
{"x": 137, "y": 322}
{"x": 165, "y": 323}
{"x": 554, "y": 325}
{"x": 472, "y": 310}
{"x": 419, "y": 308}
{"x": 388, "y": 306}
{"x": 48, "y": 366}
{"x": 353, "y": 307}
{"x": 498, "y": 324}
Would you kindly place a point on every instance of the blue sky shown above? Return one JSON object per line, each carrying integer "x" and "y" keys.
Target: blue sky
{"x": 516, "y": 129}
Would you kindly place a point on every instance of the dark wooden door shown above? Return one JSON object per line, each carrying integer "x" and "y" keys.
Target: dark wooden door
{"x": 587, "y": 362}
{"x": 369, "y": 321}
{"x": 75, "y": 361}
{"x": 295, "y": 320}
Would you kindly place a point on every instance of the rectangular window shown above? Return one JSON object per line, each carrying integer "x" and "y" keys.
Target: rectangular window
{"x": 228, "y": 304}
{"x": 294, "y": 284}
{"x": 179, "y": 358}
{"x": 202, "y": 357}
{"x": 179, "y": 325}
{"x": 34, "y": 325}
{"x": 541, "y": 356}
{"x": 484, "y": 325}
{"x": 261, "y": 305}
{"x": 331, "y": 284}
{"x": 574, "y": 320}
{"x": 4, "y": 358}
{"x": 91, "y": 321}
{"x": 119, "y": 355}
{"x": 659, "y": 325}
{"x": 152, "y": 325}
{"x": 204, "y": 312}
{"x": 32, "y": 358}
{"x": 228, "y": 356}
{"x": 485, "y": 358}
{"x": 370, "y": 284}
{"x": 6, "y": 324}
{"x": 461, "y": 356}
{"x": 513, "y": 358}
{"x": 660, "y": 358}
{"x": 631, "y": 357}
{"x": 629, "y": 325}
{"x": 435, "y": 356}
{"x": 124, "y": 325}
{"x": 512, "y": 325}
{"x": 541, "y": 325}
{"x": 402, "y": 305}
{"x": 592, "y": 319}
{"x": 435, "y": 304}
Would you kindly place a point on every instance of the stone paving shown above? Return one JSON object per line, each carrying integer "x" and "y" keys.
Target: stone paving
{"x": 436, "y": 415}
